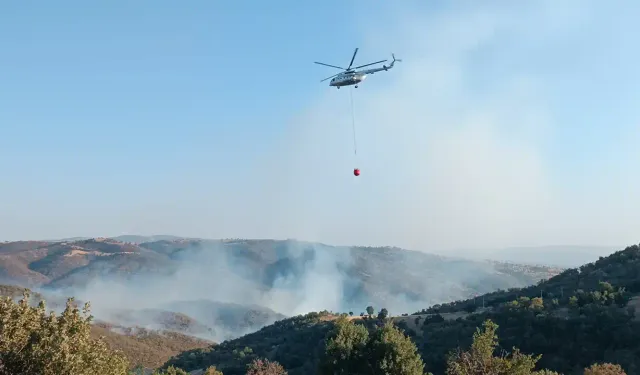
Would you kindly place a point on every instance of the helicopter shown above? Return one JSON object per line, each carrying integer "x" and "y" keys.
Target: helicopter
{"x": 351, "y": 76}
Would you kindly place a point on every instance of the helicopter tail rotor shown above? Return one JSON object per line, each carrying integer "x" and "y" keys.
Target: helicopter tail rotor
{"x": 392, "y": 62}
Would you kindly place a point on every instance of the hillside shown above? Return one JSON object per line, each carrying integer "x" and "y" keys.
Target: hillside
{"x": 585, "y": 315}
{"x": 620, "y": 269}
{"x": 201, "y": 318}
{"x": 361, "y": 275}
{"x": 147, "y": 348}
{"x": 296, "y": 343}
{"x": 156, "y": 319}
{"x": 223, "y": 289}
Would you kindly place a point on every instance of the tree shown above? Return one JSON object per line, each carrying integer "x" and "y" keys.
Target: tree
{"x": 391, "y": 352}
{"x": 171, "y": 371}
{"x": 344, "y": 349}
{"x": 382, "y": 315}
{"x": 351, "y": 350}
{"x": 34, "y": 342}
{"x": 604, "y": 369}
{"x": 350, "y": 313}
{"x": 211, "y": 370}
{"x": 606, "y": 286}
{"x": 573, "y": 301}
{"x": 479, "y": 359}
{"x": 536, "y": 304}
{"x": 265, "y": 367}
{"x": 370, "y": 310}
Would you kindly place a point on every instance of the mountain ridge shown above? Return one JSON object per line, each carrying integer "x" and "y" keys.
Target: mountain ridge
{"x": 264, "y": 280}
{"x": 581, "y": 316}
{"x": 52, "y": 262}
{"x": 534, "y": 255}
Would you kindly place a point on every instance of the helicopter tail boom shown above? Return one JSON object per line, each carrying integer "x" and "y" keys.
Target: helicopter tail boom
{"x": 384, "y": 67}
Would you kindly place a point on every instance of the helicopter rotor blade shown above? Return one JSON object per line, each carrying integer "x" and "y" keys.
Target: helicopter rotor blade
{"x": 333, "y": 66}
{"x": 352, "y": 58}
{"x": 330, "y": 77}
{"x": 373, "y": 63}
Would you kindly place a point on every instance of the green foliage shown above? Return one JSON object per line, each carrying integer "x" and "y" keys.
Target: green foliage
{"x": 34, "y": 342}
{"x": 345, "y": 348}
{"x": 137, "y": 370}
{"x": 534, "y": 304}
{"x": 211, "y": 370}
{"x": 479, "y": 360}
{"x": 351, "y": 350}
{"x": 610, "y": 279}
{"x": 581, "y": 318}
{"x": 171, "y": 371}
{"x": 370, "y": 310}
{"x": 566, "y": 341}
{"x": 383, "y": 314}
{"x": 391, "y": 352}
{"x": 296, "y": 343}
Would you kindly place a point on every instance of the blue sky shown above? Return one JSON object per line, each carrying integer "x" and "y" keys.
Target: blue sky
{"x": 506, "y": 124}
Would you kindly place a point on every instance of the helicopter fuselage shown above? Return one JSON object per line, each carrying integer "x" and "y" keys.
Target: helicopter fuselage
{"x": 347, "y": 79}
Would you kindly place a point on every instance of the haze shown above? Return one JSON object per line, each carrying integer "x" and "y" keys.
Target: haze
{"x": 200, "y": 278}
{"x": 506, "y": 124}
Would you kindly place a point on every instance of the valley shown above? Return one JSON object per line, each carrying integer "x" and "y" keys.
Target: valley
{"x": 156, "y": 297}
{"x": 257, "y": 298}
{"x": 579, "y": 317}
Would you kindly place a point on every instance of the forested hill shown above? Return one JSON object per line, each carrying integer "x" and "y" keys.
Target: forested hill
{"x": 584, "y": 316}
{"x": 620, "y": 269}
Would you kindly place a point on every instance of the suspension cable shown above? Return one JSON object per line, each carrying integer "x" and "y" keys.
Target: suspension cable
{"x": 353, "y": 123}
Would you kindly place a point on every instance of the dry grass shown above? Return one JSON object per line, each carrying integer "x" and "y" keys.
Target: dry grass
{"x": 148, "y": 348}
{"x": 410, "y": 320}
